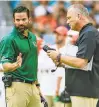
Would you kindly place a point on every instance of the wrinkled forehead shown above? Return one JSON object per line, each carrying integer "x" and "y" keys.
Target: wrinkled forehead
{"x": 71, "y": 12}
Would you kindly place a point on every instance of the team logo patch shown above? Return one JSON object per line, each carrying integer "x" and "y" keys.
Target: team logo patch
{"x": 35, "y": 44}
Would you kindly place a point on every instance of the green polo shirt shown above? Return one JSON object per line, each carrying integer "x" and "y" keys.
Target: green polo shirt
{"x": 16, "y": 43}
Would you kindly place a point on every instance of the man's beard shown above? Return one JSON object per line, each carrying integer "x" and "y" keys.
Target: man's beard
{"x": 59, "y": 42}
{"x": 21, "y": 29}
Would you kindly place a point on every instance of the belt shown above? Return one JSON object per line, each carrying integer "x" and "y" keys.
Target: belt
{"x": 20, "y": 80}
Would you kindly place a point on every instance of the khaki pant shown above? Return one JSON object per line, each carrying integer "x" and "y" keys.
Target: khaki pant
{"x": 75, "y": 102}
{"x": 51, "y": 103}
{"x": 22, "y": 95}
{"x": 60, "y": 104}
{"x": 83, "y": 101}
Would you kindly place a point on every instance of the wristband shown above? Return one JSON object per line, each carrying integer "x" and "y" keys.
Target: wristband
{"x": 58, "y": 57}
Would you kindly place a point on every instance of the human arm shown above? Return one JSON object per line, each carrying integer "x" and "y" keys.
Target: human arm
{"x": 6, "y": 67}
{"x": 58, "y": 86}
{"x": 68, "y": 60}
{"x": 86, "y": 48}
{"x": 11, "y": 58}
{"x": 43, "y": 100}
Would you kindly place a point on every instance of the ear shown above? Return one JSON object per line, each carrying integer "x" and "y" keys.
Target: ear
{"x": 79, "y": 16}
{"x": 13, "y": 20}
{"x": 30, "y": 19}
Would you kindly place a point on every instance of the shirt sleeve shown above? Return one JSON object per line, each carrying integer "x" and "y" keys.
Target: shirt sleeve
{"x": 87, "y": 46}
{"x": 8, "y": 51}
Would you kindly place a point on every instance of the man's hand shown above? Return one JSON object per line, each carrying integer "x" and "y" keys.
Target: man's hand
{"x": 19, "y": 60}
{"x": 52, "y": 54}
{"x": 57, "y": 92}
{"x": 56, "y": 63}
{"x": 44, "y": 101}
{"x": 41, "y": 96}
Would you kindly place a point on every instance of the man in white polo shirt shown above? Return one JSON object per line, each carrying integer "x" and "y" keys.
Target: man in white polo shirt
{"x": 48, "y": 79}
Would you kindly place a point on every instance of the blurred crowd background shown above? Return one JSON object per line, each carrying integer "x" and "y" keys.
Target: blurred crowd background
{"x": 45, "y": 15}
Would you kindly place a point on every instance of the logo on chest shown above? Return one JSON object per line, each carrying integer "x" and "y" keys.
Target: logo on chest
{"x": 34, "y": 44}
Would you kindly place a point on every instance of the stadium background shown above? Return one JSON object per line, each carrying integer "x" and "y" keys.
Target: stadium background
{"x": 45, "y": 16}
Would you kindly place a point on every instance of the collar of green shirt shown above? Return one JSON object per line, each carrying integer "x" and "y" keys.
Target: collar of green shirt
{"x": 21, "y": 35}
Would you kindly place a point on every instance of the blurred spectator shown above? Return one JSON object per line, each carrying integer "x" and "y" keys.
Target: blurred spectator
{"x": 49, "y": 38}
{"x": 47, "y": 78}
{"x": 59, "y": 5}
{"x": 61, "y": 19}
{"x": 5, "y": 14}
{"x": 39, "y": 11}
{"x": 95, "y": 13}
{"x": 14, "y": 3}
{"x": 73, "y": 36}
{"x": 88, "y": 4}
{"x": 40, "y": 43}
{"x": 45, "y": 23}
{"x": 47, "y": 15}
{"x": 60, "y": 11}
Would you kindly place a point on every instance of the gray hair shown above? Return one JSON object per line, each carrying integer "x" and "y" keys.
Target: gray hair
{"x": 79, "y": 8}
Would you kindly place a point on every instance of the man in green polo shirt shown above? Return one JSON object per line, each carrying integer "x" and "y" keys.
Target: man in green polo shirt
{"x": 23, "y": 92}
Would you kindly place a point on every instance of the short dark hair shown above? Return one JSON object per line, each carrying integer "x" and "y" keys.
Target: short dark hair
{"x": 20, "y": 9}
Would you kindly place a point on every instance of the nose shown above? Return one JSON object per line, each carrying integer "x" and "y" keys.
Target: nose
{"x": 21, "y": 22}
{"x": 67, "y": 21}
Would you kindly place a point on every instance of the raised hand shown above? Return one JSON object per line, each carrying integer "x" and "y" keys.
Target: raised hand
{"x": 19, "y": 60}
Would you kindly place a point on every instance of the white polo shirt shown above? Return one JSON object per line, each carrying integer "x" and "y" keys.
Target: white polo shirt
{"x": 48, "y": 79}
